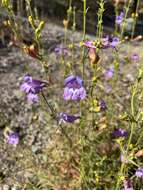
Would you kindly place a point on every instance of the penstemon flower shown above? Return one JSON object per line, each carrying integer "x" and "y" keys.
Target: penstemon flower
{"x": 135, "y": 57}
{"x": 119, "y": 18}
{"x": 127, "y": 184}
{"x": 139, "y": 172}
{"x": 102, "y": 105}
{"x": 109, "y": 73}
{"x": 120, "y": 133}
{"x": 66, "y": 118}
{"x": 32, "y": 87}
{"x": 115, "y": 41}
{"x": 32, "y": 98}
{"x": 74, "y": 89}
{"x": 105, "y": 42}
{"x": 89, "y": 44}
{"x": 61, "y": 50}
{"x": 13, "y": 138}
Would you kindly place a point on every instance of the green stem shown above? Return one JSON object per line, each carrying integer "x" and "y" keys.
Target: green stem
{"x": 135, "y": 19}
{"x": 124, "y": 21}
{"x": 83, "y": 38}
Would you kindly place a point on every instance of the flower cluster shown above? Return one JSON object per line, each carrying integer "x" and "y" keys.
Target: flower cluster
{"x": 106, "y": 42}
{"x": 74, "y": 89}
{"x": 32, "y": 87}
{"x": 111, "y": 42}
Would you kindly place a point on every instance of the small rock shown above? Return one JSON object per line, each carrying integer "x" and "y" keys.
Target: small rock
{"x": 6, "y": 187}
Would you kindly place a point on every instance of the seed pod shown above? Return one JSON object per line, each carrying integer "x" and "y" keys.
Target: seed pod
{"x": 32, "y": 50}
{"x": 139, "y": 153}
{"x": 65, "y": 23}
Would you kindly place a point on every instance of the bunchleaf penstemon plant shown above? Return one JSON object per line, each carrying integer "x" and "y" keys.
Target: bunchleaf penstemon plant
{"x": 134, "y": 121}
{"x": 83, "y": 94}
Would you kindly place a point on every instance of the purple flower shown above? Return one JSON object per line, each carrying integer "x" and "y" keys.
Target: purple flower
{"x": 13, "y": 138}
{"x": 102, "y": 105}
{"x": 127, "y": 184}
{"x": 61, "y": 50}
{"x": 135, "y": 57}
{"x": 32, "y": 98}
{"x": 139, "y": 172}
{"x": 28, "y": 78}
{"x": 105, "y": 42}
{"x": 25, "y": 87}
{"x": 32, "y": 85}
{"x": 74, "y": 89}
{"x": 119, "y": 18}
{"x": 109, "y": 73}
{"x": 115, "y": 41}
{"x": 90, "y": 44}
{"x": 64, "y": 117}
{"x": 120, "y": 133}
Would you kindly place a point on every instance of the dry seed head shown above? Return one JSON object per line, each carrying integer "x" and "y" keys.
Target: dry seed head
{"x": 93, "y": 56}
{"x": 139, "y": 153}
{"x": 65, "y": 23}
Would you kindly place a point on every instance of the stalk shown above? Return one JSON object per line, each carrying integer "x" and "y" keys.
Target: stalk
{"x": 83, "y": 38}
{"x": 135, "y": 19}
{"x": 124, "y": 21}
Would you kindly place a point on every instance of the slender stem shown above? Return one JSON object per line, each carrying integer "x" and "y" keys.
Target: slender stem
{"x": 124, "y": 21}
{"x": 66, "y": 135}
{"x": 83, "y": 38}
{"x": 100, "y": 19}
{"x": 131, "y": 133}
{"x": 56, "y": 118}
{"x": 50, "y": 107}
{"x": 135, "y": 19}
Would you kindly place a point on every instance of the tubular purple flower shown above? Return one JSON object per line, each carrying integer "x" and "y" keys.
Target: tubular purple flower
{"x": 61, "y": 50}
{"x": 25, "y": 87}
{"x": 120, "y": 133}
{"x": 109, "y": 73}
{"x": 32, "y": 98}
{"x": 115, "y": 42}
{"x": 32, "y": 85}
{"x": 27, "y": 78}
{"x": 66, "y": 118}
{"x": 89, "y": 44}
{"x": 105, "y": 42}
{"x": 139, "y": 172}
{"x": 74, "y": 89}
{"x": 102, "y": 105}
{"x": 134, "y": 57}
{"x": 13, "y": 138}
{"x": 127, "y": 184}
{"x": 119, "y": 18}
